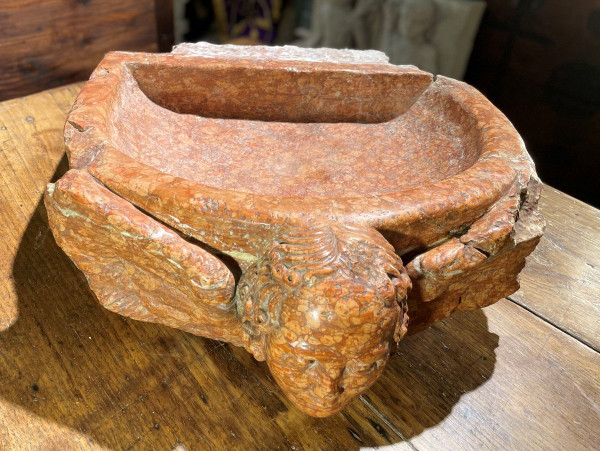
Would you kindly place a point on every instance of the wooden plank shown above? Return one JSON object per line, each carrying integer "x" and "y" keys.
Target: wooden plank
{"x": 74, "y": 375}
{"x": 561, "y": 282}
{"x": 46, "y": 43}
{"x": 499, "y": 378}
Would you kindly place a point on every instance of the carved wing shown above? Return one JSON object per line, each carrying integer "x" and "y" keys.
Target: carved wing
{"x": 136, "y": 266}
{"x": 481, "y": 266}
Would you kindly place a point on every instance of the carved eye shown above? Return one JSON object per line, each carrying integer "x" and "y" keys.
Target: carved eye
{"x": 305, "y": 363}
{"x": 365, "y": 368}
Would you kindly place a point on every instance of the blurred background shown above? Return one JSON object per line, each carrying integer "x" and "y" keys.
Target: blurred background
{"x": 536, "y": 60}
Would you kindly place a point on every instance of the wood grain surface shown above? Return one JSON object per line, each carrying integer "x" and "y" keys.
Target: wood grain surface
{"x": 47, "y": 43}
{"x": 562, "y": 281}
{"x": 76, "y": 376}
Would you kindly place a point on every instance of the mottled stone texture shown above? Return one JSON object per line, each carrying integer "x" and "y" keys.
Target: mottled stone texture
{"x": 266, "y": 196}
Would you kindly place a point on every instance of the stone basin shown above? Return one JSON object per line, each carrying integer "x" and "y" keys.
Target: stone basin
{"x": 310, "y": 205}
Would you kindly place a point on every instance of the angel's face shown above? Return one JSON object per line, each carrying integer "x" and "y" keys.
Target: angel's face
{"x": 322, "y": 307}
{"x": 329, "y": 349}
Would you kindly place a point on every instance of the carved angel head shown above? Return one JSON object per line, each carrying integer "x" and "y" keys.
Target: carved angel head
{"x": 325, "y": 307}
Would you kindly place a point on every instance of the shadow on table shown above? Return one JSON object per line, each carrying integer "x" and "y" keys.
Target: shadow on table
{"x": 70, "y": 361}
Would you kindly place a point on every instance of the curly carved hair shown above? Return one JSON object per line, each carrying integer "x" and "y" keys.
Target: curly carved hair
{"x": 301, "y": 259}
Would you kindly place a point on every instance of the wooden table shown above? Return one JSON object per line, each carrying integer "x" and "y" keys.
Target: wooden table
{"x": 522, "y": 374}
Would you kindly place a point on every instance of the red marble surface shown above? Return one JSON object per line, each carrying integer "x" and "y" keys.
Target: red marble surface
{"x": 264, "y": 197}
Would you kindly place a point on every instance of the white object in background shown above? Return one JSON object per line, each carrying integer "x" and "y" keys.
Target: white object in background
{"x": 434, "y": 35}
{"x": 406, "y": 29}
{"x": 180, "y": 24}
{"x": 454, "y": 34}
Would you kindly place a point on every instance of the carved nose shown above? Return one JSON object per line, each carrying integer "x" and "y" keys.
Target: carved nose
{"x": 329, "y": 379}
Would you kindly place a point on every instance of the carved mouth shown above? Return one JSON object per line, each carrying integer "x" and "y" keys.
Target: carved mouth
{"x": 322, "y": 406}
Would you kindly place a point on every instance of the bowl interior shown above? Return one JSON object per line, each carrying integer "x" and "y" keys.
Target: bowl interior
{"x": 292, "y": 133}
